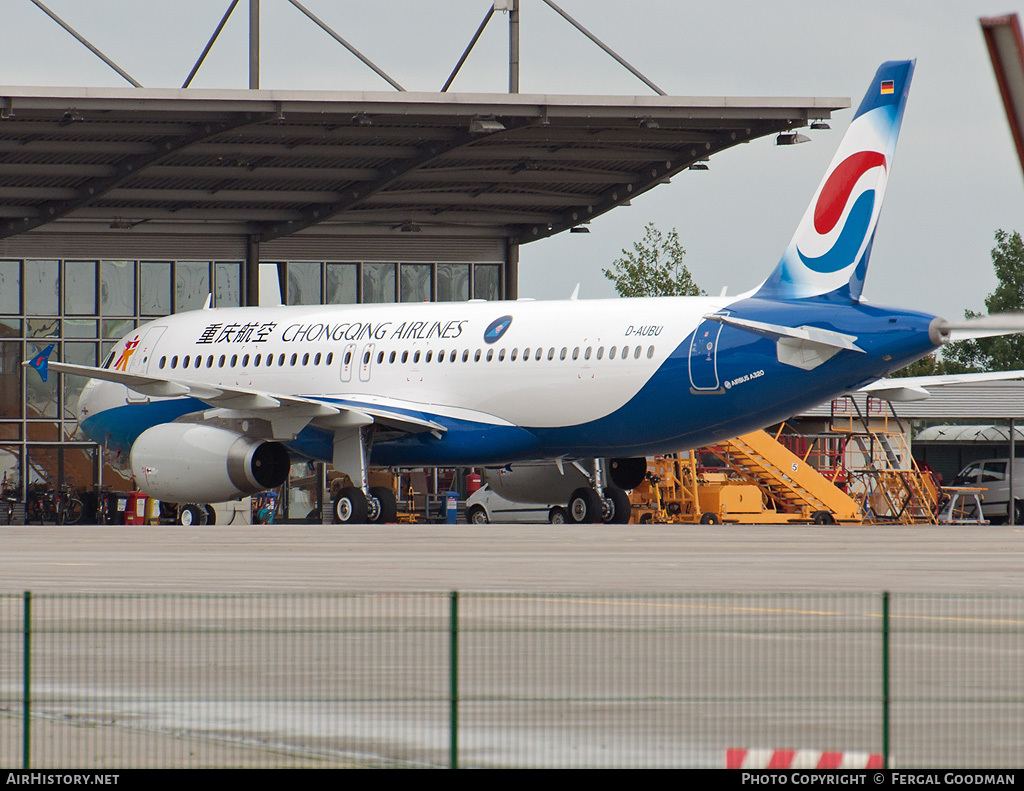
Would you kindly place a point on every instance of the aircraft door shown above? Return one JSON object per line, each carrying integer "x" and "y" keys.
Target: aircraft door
{"x": 704, "y": 357}
{"x": 348, "y": 358}
{"x": 137, "y": 357}
{"x": 366, "y": 362}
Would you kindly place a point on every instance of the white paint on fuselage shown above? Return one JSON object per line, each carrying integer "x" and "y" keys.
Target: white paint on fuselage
{"x": 526, "y": 392}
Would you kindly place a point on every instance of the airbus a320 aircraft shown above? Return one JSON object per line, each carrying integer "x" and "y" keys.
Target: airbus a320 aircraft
{"x": 211, "y": 404}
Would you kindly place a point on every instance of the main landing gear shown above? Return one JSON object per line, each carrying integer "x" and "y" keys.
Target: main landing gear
{"x": 596, "y": 505}
{"x": 363, "y": 504}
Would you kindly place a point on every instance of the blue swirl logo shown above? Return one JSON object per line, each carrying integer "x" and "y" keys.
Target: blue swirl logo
{"x": 496, "y": 329}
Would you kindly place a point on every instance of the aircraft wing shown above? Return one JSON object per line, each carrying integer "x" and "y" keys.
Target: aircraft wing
{"x": 288, "y": 414}
{"x": 914, "y": 388}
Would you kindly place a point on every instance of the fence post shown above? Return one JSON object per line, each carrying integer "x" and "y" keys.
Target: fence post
{"x": 453, "y": 681}
{"x": 885, "y": 680}
{"x": 26, "y": 682}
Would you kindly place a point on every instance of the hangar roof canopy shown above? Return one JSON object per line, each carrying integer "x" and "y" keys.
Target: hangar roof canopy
{"x": 268, "y": 164}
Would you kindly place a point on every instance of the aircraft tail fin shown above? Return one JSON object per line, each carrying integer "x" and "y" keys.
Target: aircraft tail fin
{"x": 828, "y": 254}
{"x": 41, "y": 362}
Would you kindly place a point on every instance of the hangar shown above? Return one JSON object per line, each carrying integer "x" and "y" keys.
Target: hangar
{"x": 119, "y": 205}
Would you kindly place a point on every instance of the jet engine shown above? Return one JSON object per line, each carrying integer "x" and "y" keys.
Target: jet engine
{"x": 183, "y": 462}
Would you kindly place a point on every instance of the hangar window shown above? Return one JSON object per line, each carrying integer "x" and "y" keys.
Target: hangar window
{"x": 234, "y": 360}
{"x": 163, "y": 360}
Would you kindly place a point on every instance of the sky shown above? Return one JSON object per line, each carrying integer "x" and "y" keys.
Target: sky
{"x": 955, "y": 179}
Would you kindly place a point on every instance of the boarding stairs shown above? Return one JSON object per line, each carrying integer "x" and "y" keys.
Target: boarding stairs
{"x": 787, "y": 479}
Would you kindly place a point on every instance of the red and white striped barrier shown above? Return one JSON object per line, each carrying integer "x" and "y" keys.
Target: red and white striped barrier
{"x": 742, "y": 758}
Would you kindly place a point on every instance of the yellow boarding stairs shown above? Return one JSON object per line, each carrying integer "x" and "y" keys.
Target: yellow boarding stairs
{"x": 788, "y": 480}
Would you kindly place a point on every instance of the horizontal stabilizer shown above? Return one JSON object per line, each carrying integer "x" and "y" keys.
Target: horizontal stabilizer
{"x": 838, "y": 340}
{"x": 914, "y": 388}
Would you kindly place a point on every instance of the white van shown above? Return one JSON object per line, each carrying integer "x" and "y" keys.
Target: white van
{"x": 485, "y": 506}
{"x": 993, "y": 476}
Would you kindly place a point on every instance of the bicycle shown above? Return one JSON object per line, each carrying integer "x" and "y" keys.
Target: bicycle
{"x": 9, "y": 496}
{"x": 67, "y": 507}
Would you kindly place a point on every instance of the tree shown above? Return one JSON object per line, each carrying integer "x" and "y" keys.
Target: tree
{"x": 1003, "y": 352}
{"x": 654, "y": 268}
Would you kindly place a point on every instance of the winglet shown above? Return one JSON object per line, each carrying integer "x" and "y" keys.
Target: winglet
{"x": 41, "y": 362}
{"x": 208, "y": 305}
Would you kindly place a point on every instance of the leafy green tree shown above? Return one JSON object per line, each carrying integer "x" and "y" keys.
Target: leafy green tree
{"x": 1003, "y": 352}
{"x": 654, "y": 268}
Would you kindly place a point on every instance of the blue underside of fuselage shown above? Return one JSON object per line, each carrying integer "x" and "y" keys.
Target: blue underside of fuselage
{"x": 667, "y": 414}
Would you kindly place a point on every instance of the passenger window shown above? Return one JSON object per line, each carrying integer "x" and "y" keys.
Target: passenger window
{"x": 650, "y": 352}
{"x": 490, "y": 355}
{"x": 221, "y": 361}
{"x": 280, "y": 360}
{"x": 551, "y": 353}
{"x": 465, "y": 355}
{"x": 198, "y": 362}
{"x": 636, "y": 353}
{"x": 476, "y": 357}
{"x": 611, "y": 352}
{"x": 185, "y": 362}
{"x": 258, "y": 360}
{"x": 163, "y": 360}
{"x": 234, "y": 360}
{"x": 416, "y": 357}
{"x": 330, "y": 357}
{"x": 501, "y": 356}
{"x": 562, "y": 354}
{"x": 539, "y": 354}
{"x": 600, "y": 352}
{"x": 316, "y": 360}
{"x": 245, "y": 361}
{"x": 405, "y": 357}
{"x": 576, "y": 353}
{"x": 209, "y": 361}
{"x": 295, "y": 359}
{"x": 430, "y": 356}
{"x": 586, "y": 354}
{"x": 514, "y": 352}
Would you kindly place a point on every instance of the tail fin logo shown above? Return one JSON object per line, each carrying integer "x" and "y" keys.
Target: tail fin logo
{"x": 828, "y": 248}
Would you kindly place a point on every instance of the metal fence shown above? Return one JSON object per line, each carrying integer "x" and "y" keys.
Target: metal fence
{"x": 509, "y": 680}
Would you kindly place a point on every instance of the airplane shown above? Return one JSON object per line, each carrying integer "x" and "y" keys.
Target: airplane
{"x": 213, "y": 404}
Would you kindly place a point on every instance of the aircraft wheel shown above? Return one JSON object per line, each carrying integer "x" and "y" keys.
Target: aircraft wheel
{"x": 615, "y": 508}
{"x": 382, "y": 508}
{"x": 585, "y": 506}
{"x": 477, "y": 515}
{"x": 211, "y": 514}
{"x": 822, "y": 518}
{"x": 190, "y": 514}
{"x": 350, "y": 507}
{"x": 646, "y": 519}
{"x": 557, "y": 516}
{"x": 627, "y": 473}
{"x": 709, "y": 518}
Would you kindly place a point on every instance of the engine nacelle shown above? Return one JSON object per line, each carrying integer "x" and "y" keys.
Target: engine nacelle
{"x": 187, "y": 462}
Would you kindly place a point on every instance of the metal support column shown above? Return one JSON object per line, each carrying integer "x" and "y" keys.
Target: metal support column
{"x": 513, "y": 48}
{"x": 252, "y": 273}
{"x": 254, "y": 45}
{"x": 512, "y": 270}
{"x": 1011, "y": 509}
